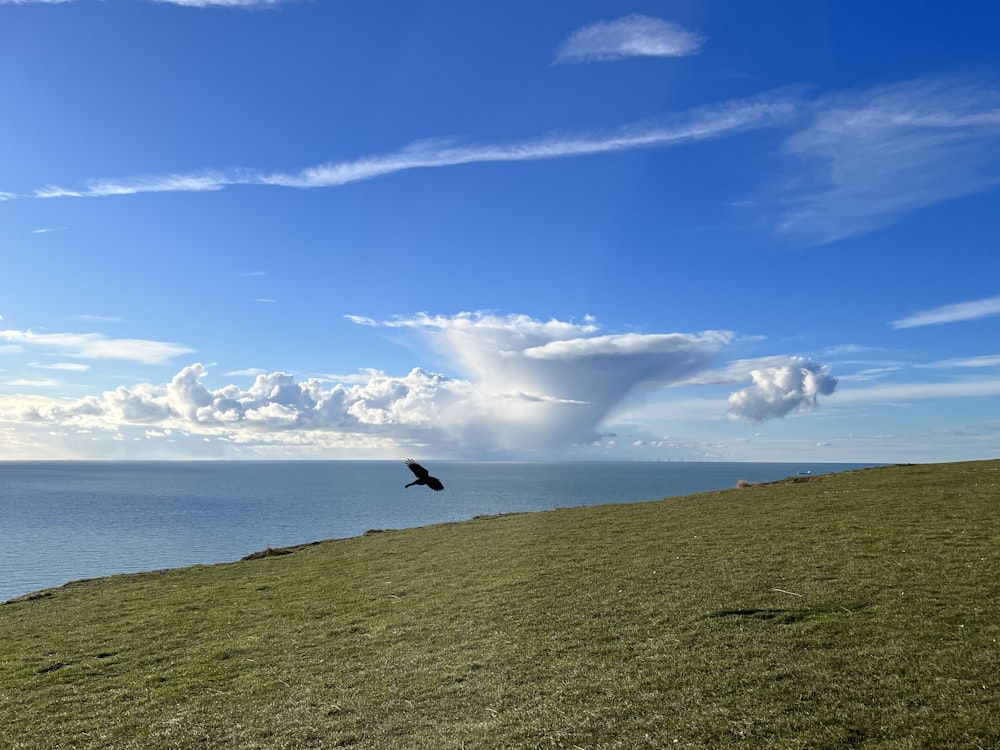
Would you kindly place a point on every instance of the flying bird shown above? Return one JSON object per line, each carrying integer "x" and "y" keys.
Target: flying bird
{"x": 423, "y": 476}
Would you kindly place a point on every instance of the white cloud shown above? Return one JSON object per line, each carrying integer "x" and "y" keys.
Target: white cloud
{"x": 986, "y": 360}
{"x": 522, "y": 385}
{"x": 980, "y": 308}
{"x": 781, "y": 389}
{"x": 354, "y": 378}
{"x": 888, "y": 393}
{"x": 33, "y": 383}
{"x": 98, "y": 319}
{"x": 171, "y": 183}
{"x": 631, "y": 36}
{"x": 248, "y": 372}
{"x": 860, "y": 160}
{"x": 740, "y": 370}
{"x": 870, "y": 373}
{"x": 698, "y": 125}
{"x": 877, "y": 154}
{"x": 64, "y": 366}
{"x": 98, "y": 346}
{"x": 564, "y": 375}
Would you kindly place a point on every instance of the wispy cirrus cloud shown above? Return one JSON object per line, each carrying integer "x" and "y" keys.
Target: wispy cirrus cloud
{"x": 866, "y": 158}
{"x": 859, "y": 160}
{"x": 97, "y": 346}
{"x": 702, "y": 124}
{"x": 170, "y": 183}
{"x": 88, "y": 318}
{"x": 632, "y": 36}
{"x": 32, "y": 383}
{"x": 984, "y": 360}
{"x": 63, "y": 366}
{"x": 980, "y": 308}
{"x": 897, "y": 392}
{"x": 247, "y": 372}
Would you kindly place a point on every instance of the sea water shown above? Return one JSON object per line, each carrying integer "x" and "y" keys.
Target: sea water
{"x": 62, "y": 521}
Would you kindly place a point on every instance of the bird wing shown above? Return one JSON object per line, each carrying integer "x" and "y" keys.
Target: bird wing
{"x": 435, "y": 484}
{"x": 417, "y": 469}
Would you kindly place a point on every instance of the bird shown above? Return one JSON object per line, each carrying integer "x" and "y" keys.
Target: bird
{"x": 423, "y": 476}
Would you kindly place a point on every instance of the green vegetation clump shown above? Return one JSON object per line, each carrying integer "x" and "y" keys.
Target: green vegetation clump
{"x": 848, "y": 610}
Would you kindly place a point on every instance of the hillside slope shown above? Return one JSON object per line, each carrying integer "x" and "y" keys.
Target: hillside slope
{"x": 850, "y": 610}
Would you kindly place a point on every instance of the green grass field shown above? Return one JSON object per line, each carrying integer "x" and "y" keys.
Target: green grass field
{"x": 851, "y": 610}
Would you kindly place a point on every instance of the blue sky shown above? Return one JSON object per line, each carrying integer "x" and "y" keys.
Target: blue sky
{"x": 658, "y": 230}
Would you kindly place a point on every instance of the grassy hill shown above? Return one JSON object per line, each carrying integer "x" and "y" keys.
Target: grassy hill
{"x": 850, "y": 610}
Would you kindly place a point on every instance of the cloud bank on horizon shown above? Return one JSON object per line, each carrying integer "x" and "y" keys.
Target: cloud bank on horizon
{"x": 524, "y": 385}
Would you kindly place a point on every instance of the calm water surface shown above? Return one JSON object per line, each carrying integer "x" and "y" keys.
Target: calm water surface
{"x": 63, "y": 521}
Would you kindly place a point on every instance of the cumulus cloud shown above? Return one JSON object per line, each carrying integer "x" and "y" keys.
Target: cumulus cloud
{"x": 403, "y": 407}
{"x": 778, "y": 390}
{"x": 97, "y": 346}
{"x": 873, "y": 155}
{"x": 631, "y": 36}
{"x": 519, "y": 385}
{"x": 980, "y": 308}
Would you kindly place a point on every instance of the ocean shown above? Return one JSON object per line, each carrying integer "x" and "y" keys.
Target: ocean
{"x": 63, "y": 521}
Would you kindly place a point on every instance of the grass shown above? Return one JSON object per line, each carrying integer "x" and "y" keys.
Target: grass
{"x": 850, "y": 610}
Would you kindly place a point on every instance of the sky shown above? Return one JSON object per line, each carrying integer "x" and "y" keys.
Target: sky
{"x": 652, "y": 230}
